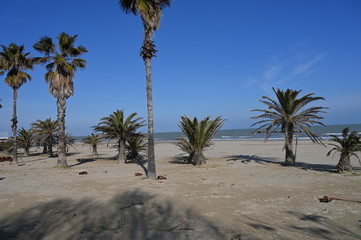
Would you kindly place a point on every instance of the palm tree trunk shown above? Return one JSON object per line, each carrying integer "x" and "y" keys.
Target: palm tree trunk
{"x": 27, "y": 151}
{"x": 151, "y": 173}
{"x": 95, "y": 150}
{"x": 121, "y": 149}
{"x": 290, "y": 158}
{"x": 61, "y": 104}
{"x": 14, "y": 127}
{"x": 199, "y": 159}
{"x": 344, "y": 164}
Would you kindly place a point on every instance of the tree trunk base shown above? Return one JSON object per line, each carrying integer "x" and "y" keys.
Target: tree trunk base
{"x": 199, "y": 159}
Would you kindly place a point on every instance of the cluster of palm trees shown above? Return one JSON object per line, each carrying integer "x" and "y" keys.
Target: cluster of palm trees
{"x": 123, "y": 129}
{"x": 62, "y": 60}
{"x": 116, "y": 126}
{"x": 43, "y": 133}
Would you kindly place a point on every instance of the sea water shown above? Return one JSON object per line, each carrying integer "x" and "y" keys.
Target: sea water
{"x": 247, "y": 134}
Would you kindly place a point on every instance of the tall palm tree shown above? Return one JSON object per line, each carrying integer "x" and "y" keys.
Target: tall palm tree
{"x": 15, "y": 62}
{"x": 93, "y": 140}
{"x": 288, "y": 115}
{"x": 198, "y": 136}
{"x": 25, "y": 140}
{"x": 62, "y": 60}
{"x": 348, "y": 145}
{"x": 150, "y": 12}
{"x": 119, "y": 127}
{"x": 45, "y": 133}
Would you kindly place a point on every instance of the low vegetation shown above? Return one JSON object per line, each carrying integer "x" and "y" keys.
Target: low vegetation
{"x": 197, "y": 137}
{"x": 347, "y": 145}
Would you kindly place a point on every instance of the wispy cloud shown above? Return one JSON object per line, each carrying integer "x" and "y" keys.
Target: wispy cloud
{"x": 292, "y": 65}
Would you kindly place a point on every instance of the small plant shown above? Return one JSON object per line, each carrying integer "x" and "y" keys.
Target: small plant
{"x": 197, "y": 137}
{"x": 25, "y": 140}
{"x": 134, "y": 145}
{"x": 6, "y": 146}
{"x": 93, "y": 140}
{"x": 348, "y": 145}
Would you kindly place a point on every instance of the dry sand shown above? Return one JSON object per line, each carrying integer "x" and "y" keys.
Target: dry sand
{"x": 242, "y": 193}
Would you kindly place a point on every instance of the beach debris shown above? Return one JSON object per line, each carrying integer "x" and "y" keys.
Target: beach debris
{"x": 160, "y": 177}
{"x": 6, "y": 158}
{"x": 83, "y": 173}
{"x": 326, "y": 199}
{"x": 138, "y": 174}
{"x": 137, "y": 204}
{"x": 178, "y": 227}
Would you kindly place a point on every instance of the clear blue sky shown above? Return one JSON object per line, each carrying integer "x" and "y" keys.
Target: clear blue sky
{"x": 215, "y": 58}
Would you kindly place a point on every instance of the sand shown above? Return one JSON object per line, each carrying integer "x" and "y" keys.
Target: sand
{"x": 242, "y": 193}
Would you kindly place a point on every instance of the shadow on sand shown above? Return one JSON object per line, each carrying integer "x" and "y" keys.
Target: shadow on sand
{"x": 130, "y": 215}
{"x": 266, "y": 160}
{"x": 306, "y": 225}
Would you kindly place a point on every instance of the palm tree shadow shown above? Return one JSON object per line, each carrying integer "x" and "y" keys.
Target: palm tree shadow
{"x": 266, "y": 160}
{"x": 321, "y": 226}
{"x": 82, "y": 161}
{"x": 253, "y": 158}
{"x": 317, "y": 167}
{"x": 179, "y": 159}
{"x": 131, "y": 215}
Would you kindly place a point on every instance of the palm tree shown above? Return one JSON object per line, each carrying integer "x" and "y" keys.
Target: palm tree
{"x": 198, "y": 136}
{"x": 62, "y": 62}
{"x": 45, "y": 133}
{"x": 288, "y": 115}
{"x": 134, "y": 145}
{"x": 150, "y": 12}
{"x": 93, "y": 140}
{"x": 25, "y": 140}
{"x": 119, "y": 127}
{"x": 348, "y": 145}
{"x": 15, "y": 62}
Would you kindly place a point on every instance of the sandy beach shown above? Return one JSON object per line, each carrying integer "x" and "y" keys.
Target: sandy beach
{"x": 242, "y": 193}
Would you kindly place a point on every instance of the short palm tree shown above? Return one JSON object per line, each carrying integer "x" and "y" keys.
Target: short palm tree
{"x": 45, "y": 133}
{"x": 134, "y": 145}
{"x": 62, "y": 60}
{"x": 119, "y": 127}
{"x": 198, "y": 136}
{"x": 93, "y": 140}
{"x": 347, "y": 146}
{"x": 15, "y": 62}
{"x": 25, "y": 140}
{"x": 288, "y": 115}
{"x": 150, "y": 12}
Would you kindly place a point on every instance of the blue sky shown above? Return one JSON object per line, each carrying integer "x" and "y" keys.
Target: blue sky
{"x": 213, "y": 59}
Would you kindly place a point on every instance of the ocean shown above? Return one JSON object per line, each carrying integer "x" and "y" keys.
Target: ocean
{"x": 246, "y": 134}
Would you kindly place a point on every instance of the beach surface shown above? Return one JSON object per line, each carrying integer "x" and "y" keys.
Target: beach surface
{"x": 243, "y": 192}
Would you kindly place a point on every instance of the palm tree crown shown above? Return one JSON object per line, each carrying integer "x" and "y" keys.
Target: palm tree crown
{"x": 348, "y": 145}
{"x": 289, "y": 115}
{"x": 117, "y": 126}
{"x": 149, "y": 10}
{"x": 62, "y": 62}
{"x": 15, "y": 62}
